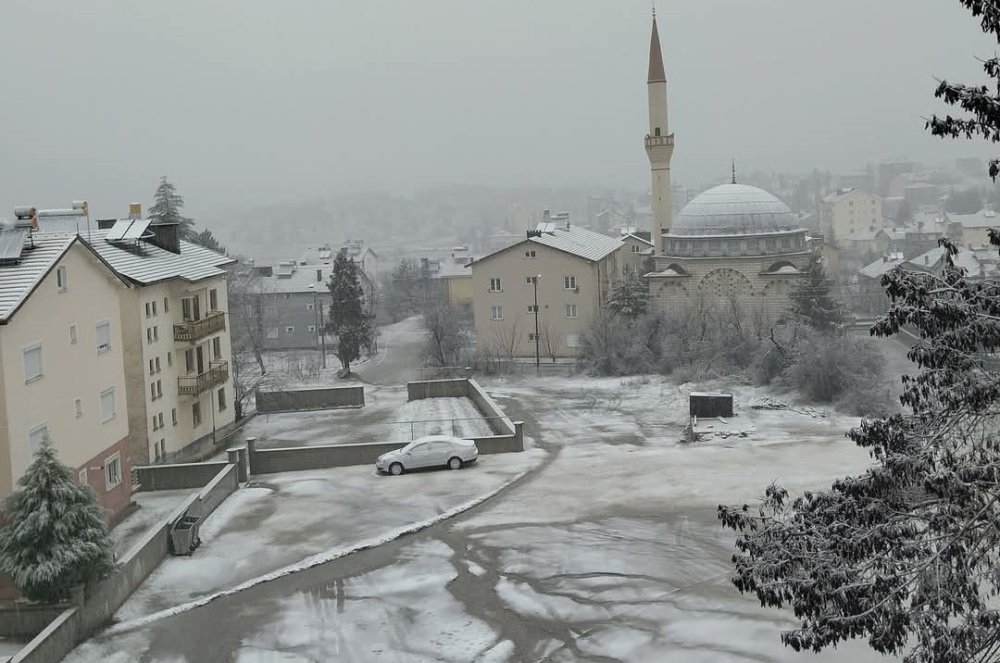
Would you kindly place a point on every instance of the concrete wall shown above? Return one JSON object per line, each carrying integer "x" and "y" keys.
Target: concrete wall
{"x": 77, "y": 623}
{"x": 463, "y": 387}
{"x": 172, "y": 477}
{"x": 292, "y": 459}
{"x": 309, "y": 399}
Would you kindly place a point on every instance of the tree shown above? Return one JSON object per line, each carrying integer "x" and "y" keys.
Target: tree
{"x": 166, "y": 208}
{"x": 812, "y": 301}
{"x": 629, "y": 297}
{"x": 207, "y": 239}
{"x": 403, "y": 294}
{"x": 56, "y": 537}
{"x": 447, "y": 335}
{"x": 252, "y": 311}
{"x": 348, "y": 321}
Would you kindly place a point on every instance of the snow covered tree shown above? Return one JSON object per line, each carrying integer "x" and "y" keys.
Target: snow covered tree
{"x": 207, "y": 239}
{"x": 629, "y": 297}
{"x": 348, "y": 320}
{"x": 906, "y": 553}
{"x": 813, "y": 301}
{"x": 55, "y": 536}
{"x": 448, "y": 334}
{"x": 166, "y": 208}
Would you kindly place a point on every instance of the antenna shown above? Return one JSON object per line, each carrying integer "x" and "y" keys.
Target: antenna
{"x": 734, "y": 171}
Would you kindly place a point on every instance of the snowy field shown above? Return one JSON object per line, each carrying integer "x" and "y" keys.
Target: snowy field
{"x": 610, "y": 551}
{"x": 153, "y": 507}
{"x": 282, "y": 519}
{"x": 386, "y": 417}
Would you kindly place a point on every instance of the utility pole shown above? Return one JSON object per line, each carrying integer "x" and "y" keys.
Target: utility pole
{"x": 318, "y": 319}
{"x": 534, "y": 282}
{"x": 322, "y": 336}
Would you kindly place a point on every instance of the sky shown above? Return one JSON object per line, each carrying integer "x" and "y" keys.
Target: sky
{"x": 249, "y": 102}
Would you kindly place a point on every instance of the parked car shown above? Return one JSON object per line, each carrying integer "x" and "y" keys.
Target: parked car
{"x": 430, "y": 451}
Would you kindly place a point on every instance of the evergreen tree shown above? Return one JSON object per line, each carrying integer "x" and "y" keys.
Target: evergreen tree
{"x": 55, "y": 537}
{"x": 166, "y": 208}
{"x": 629, "y": 298}
{"x": 348, "y": 320}
{"x": 207, "y": 239}
{"x": 813, "y": 301}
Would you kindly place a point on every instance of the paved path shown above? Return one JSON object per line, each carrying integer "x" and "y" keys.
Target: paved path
{"x": 400, "y": 354}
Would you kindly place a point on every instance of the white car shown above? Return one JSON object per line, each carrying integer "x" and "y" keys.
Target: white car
{"x": 430, "y": 451}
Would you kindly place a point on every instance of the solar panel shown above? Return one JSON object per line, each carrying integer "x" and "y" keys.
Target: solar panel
{"x": 12, "y": 243}
{"x": 136, "y": 230}
{"x": 118, "y": 230}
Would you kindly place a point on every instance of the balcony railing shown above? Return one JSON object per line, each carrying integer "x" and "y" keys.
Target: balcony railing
{"x": 193, "y": 330}
{"x": 192, "y": 385}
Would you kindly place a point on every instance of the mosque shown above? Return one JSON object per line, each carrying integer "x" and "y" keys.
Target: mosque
{"x": 733, "y": 249}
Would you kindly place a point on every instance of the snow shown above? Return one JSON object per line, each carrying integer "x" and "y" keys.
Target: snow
{"x": 282, "y": 521}
{"x": 153, "y": 509}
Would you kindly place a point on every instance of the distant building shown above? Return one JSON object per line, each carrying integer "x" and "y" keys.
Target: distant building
{"x": 575, "y": 269}
{"x": 294, "y": 302}
{"x": 972, "y": 230}
{"x": 847, "y": 212}
{"x": 636, "y": 252}
{"x": 450, "y": 279}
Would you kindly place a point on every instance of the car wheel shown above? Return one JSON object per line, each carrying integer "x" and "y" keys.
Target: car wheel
{"x": 454, "y": 463}
{"x": 395, "y": 469}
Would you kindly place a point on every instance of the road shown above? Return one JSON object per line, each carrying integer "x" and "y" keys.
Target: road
{"x": 400, "y": 354}
{"x": 610, "y": 550}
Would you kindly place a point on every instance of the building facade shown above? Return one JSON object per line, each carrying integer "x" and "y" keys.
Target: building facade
{"x": 850, "y": 213}
{"x": 62, "y": 366}
{"x": 571, "y": 270}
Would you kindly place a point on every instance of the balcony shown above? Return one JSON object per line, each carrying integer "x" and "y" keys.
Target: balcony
{"x": 194, "y": 330}
{"x": 193, "y": 385}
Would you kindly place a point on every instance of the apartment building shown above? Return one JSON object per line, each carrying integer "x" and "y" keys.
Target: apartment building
{"x": 571, "y": 268}
{"x": 848, "y": 212}
{"x": 636, "y": 251}
{"x": 291, "y": 304}
{"x": 62, "y": 361}
{"x": 176, "y": 341}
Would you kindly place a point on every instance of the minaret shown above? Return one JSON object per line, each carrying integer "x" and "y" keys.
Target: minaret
{"x": 659, "y": 142}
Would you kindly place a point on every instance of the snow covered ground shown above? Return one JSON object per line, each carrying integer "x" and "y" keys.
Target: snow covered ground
{"x": 8, "y": 648}
{"x": 281, "y": 519}
{"x": 153, "y": 507}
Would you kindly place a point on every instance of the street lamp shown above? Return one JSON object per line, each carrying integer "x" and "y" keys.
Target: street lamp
{"x": 534, "y": 282}
{"x": 318, "y": 318}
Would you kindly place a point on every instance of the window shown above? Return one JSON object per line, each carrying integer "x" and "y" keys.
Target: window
{"x": 656, "y": 132}
{"x": 570, "y": 310}
{"x": 222, "y": 399}
{"x": 78, "y": 406}
{"x": 529, "y": 254}
{"x": 170, "y": 359}
{"x": 311, "y": 328}
{"x": 272, "y": 332}
{"x": 152, "y": 391}
{"x": 166, "y": 305}
{"x": 163, "y": 448}
{"x": 217, "y": 347}
{"x": 173, "y": 416}
{"x": 32, "y": 357}
{"x": 159, "y": 389}
{"x": 107, "y": 405}
{"x": 159, "y": 418}
{"x": 103, "y": 336}
{"x": 148, "y": 309}
{"x": 189, "y": 361}
{"x": 496, "y": 313}
{"x": 35, "y": 437}
{"x": 61, "y": 278}
{"x": 529, "y": 280}
{"x": 113, "y": 471}
{"x": 72, "y": 334}
{"x": 531, "y": 308}
{"x": 154, "y": 307}
{"x": 152, "y": 367}
{"x": 82, "y": 477}
{"x": 309, "y": 307}
{"x": 531, "y": 336}
{"x": 496, "y": 285}
{"x": 289, "y": 330}
{"x": 196, "y": 415}
{"x": 149, "y": 334}
{"x": 213, "y": 300}
{"x": 156, "y": 333}
{"x": 156, "y": 424}
{"x": 635, "y": 248}
{"x": 157, "y": 363}
{"x": 569, "y": 282}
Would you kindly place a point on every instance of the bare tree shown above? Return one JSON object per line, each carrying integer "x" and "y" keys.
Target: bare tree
{"x": 252, "y": 311}
{"x": 551, "y": 341}
{"x": 448, "y": 333}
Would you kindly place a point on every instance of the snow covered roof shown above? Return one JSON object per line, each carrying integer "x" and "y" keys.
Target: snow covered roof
{"x": 986, "y": 218}
{"x": 18, "y": 281}
{"x": 580, "y": 242}
{"x": 633, "y": 235}
{"x": 733, "y": 209}
{"x": 153, "y": 264}
{"x": 882, "y": 265}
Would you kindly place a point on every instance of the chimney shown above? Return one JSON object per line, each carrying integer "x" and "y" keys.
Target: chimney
{"x": 885, "y": 258}
{"x": 165, "y": 236}
{"x": 546, "y": 215}
{"x": 135, "y": 210}
{"x": 319, "y": 275}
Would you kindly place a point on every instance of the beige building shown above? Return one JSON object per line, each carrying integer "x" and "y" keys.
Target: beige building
{"x": 734, "y": 250}
{"x": 636, "y": 250}
{"x": 573, "y": 269}
{"x": 972, "y": 230}
{"x": 176, "y": 340}
{"x": 62, "y": 366}
{"x": 849, "y": 214}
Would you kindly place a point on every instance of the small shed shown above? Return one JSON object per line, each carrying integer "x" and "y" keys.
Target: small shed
{"x": 704, "y": 404}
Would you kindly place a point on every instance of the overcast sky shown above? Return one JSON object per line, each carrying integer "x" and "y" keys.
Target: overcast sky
{"x": 256, "y": 101}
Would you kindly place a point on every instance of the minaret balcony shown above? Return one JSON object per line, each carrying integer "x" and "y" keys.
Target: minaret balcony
{"x": 659, "y": 141}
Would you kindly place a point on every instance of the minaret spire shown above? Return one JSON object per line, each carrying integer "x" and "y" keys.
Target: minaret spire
{"x": 734, "y": 171}
{"x": 656, "y": 72}
{"x": 659, "y": 142}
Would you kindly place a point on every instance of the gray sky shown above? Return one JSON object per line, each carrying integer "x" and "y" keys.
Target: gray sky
{"x": 261, "y": 101}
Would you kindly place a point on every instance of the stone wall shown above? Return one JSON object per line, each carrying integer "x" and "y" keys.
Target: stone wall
{"x": 176, "y": 476}
{"x": 291, "y": 459}
{"x": 309, "y": 399}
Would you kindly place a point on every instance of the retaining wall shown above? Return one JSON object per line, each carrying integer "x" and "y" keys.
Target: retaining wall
{"x": 298, "y": 400}
{"x": 77, "y": 623}
{"x": 292, "y": 459}
{"x": 176, "y": 476}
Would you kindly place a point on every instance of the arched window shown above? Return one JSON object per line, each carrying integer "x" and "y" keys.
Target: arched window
{"x": 656, "y": 131}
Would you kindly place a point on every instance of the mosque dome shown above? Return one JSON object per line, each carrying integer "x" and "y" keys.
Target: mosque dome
{"x": 734, "y": 209}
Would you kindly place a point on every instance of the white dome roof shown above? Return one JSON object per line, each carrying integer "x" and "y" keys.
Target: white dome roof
{"x": 734, "y": 209}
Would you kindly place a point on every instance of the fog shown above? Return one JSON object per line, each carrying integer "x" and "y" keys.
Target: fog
{"x": 253, "y": 101}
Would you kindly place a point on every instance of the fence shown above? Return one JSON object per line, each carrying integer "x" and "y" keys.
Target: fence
{"x": 309, "y": 399}
{"x": 96, "y": 606}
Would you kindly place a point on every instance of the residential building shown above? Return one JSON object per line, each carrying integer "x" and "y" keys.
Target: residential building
{"x": 972, "y": 230}
{"x": 176, "y": 338}
{"x": 637, "y": 248}
{"x": 572, "y": 270}
{"x": 847, "y": 212}
{"x": 450, "y": 279}
{"x": 293, "y": 303}
{"x": 62, "y": 362}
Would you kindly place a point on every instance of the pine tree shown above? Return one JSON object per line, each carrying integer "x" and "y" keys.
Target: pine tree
{"x": 630, "y": 297}
{"x": 813, "y": 301}
{"x": 166, "y": 208}
{"x": 55, "y": 537}
{"x": 207, "y": 239}
{"x": 348, "y": 320}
